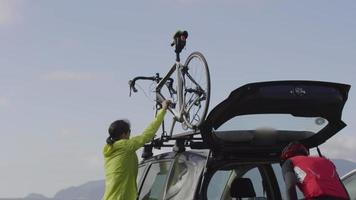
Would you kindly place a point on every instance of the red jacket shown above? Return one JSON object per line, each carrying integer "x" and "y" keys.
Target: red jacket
{"x": 317, "y": 177}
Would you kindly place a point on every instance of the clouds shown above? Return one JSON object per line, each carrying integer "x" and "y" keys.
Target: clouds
{"x": 9, "y": 11}
{"x": 68, "y": 76}
{"x": 4, "y": 102}
{"x": 340, "y": 146}
{"x": 5, "y": 12}
{"x": 94, "y": 161}
{"x": 64, "y": 71}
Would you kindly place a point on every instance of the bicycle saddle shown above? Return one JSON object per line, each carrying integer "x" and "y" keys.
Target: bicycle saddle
{"x": 179, "y": 40}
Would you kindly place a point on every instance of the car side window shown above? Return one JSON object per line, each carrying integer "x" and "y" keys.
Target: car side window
{"x": 217, "y": 184}
{"x": 255, "y": 176}
{"x": 153, "y": 185}
{"x": 141, "y": 170}
{"x": 184, "y": 177}
{"x": 350, "y": 185}
{"x": 282, "y": 186}
{"x": 221, "y": 184}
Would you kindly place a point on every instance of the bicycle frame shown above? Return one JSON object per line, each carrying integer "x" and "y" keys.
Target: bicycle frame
{"x": 177, "y": 112}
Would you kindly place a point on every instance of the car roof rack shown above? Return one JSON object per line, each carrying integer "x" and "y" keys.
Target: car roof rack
{"x": 191, "y": 139}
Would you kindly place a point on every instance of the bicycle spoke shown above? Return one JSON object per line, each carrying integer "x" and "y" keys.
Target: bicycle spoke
{"x": 196, "y": 81}
{"x": 193, "y": 81}
{"x": 196, "y": 117}
{"x": 194, "y": 101}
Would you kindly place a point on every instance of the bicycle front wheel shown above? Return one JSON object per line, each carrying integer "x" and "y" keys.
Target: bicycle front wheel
{"x": 196, "y": 90}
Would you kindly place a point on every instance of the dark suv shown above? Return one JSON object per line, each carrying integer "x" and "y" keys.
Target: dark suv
{"x": 236, "y": 152}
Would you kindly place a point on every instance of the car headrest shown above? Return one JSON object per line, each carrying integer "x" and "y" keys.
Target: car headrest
{"x": 242, "y": 188}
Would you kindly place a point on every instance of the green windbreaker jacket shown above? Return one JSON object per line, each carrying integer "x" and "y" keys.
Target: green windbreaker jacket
{"x": 121, "y": 163}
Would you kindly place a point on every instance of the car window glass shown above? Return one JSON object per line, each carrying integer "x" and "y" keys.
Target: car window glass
{"x": 255, "y": 176}
{"x": 220, "y": 185}
{"x": 282, "y": 187}
{"x": 274, "y": 122}
{"x": 278, "y": 172}
{"x": 154, "y": 182}
{"x": 184, "y": 177}
{"x": 140, "y": 171}
{"x": 217, "y": 184}
{"x": 350, "y": 185}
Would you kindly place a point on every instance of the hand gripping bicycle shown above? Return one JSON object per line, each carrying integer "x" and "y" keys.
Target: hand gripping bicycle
{"x": 191, "y": 87}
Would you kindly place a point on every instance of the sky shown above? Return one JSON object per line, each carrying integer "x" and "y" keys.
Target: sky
{"x": 65, "y": 65}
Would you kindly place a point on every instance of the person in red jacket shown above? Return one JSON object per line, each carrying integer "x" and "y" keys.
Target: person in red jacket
{"x": 315, "y": 176}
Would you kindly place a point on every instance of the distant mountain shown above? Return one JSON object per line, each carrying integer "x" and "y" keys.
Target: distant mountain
{"x": 32, "y": 196}
{"x": 11, "y": 199}
{"x": 343, "y": 166}
{"x": 94, "y": 190}
{"x": 35, "y": 196}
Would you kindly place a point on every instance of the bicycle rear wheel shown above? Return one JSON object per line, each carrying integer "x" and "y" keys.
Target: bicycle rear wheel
{"x": 196, "y": 90}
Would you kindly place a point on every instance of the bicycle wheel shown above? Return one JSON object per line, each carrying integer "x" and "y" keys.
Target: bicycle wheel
{"x": 196, "y": 90}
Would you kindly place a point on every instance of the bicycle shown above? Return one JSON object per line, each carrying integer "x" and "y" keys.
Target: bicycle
{"x": 192, "y": 90}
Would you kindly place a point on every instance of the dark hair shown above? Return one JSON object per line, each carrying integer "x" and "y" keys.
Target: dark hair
{"x": 294, "y": 149}
{"x": 117, "y": 129}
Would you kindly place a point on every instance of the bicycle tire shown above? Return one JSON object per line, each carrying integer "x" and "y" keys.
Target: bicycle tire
{"x": 197, "y": 89}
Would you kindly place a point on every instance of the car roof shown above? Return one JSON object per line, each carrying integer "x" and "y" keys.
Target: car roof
{"x": 350, "y": 173}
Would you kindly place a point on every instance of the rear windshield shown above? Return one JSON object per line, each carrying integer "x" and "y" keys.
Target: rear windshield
{"x": 274, "y": 122}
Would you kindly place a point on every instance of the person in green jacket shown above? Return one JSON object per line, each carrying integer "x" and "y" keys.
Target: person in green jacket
{"x": 121, "y": 163}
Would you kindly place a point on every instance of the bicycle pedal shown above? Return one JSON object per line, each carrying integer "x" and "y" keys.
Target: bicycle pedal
{"x": 173, "y": 105}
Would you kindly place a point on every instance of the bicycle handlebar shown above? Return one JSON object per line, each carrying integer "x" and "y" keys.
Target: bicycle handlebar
{"x": 133, "y": 81}
{"x": 157, "y": 79}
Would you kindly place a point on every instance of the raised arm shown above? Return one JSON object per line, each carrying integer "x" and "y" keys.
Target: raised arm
{"x": 137, "y": 142}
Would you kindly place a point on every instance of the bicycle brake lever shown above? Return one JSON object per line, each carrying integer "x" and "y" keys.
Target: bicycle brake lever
{"x": 132, "y": 86}
{"x": 169, "y": 85}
